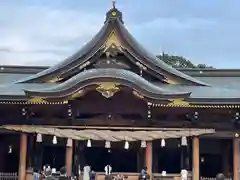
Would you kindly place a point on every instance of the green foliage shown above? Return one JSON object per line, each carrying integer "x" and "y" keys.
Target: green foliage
{"x": 180, "y": 62}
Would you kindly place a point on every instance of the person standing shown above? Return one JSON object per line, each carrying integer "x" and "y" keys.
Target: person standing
{"x": 48, "y": 174}
{"x": 36, "y": 174}
{"x": 184, "y": 174}
{"x": 86, "y": 172}
{"x": 63, "y": 174}
{"x": 220, "y": 176}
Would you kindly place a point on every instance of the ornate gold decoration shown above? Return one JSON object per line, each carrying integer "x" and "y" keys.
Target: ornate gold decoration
{"x": 112, "y": 41}
{"x": 27, "y": 102}
{"x": 55, "y": 79}
{"x": 178, "y": 102}
{"x": 114, "y": 13}
{"x": 84, "y": 65}
{"x": 138, "y": 95}
{"x": 65, "y": 102}
{"x": 206, "y": 106}
{"x": 37, "y": 100}
{"x": 170, "y": 81}
{"x": 108, "y": 89}
{"x": 76, "y": 94}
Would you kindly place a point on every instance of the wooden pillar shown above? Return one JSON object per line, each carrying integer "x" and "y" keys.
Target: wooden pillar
{"x": 22, "y": 157}
{"x": 69, "y": 155}
{"x": 148, "y": 156}
{"x": 225, "y": 157}
{"x": 139, "y": 164}
{"x": 195, "y": 168}
{"x": 30, "y": 147}
{"x": 236, "y": 159}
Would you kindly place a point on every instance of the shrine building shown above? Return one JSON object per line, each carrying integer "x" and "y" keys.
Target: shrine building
{"x": 113, "y": 102}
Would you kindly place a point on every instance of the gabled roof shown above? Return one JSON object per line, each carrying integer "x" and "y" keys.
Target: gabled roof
{"x": 114, "y": 37}
{"x": 114, "y": 34}
{"x": 193, "y": 72}
{"x": 94, "y": 78}
{"x": 97, "y": 76}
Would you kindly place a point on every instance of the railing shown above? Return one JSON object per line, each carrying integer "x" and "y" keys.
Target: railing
{"x": 212, "y": 178}
{"x": 8, "y": 176}
{"x": 130, "y": 176}
{"x": 169, "y": 176}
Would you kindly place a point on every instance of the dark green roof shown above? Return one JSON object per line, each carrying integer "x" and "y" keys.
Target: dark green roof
{"x": 130, "y": 45}
{"x": 200, "y": 94}
{"x": 94, "y": 76}
{"x": 207, "y": 86}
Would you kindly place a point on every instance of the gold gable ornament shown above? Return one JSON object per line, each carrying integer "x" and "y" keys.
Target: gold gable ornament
{"x": 114, "y": 13}
{"x": 108, "y": 89}
{"x": 37, "y": 100}
{"x": 170, "y": 81}
{"x": 76, "y": 94}
{"x": 55, "y": 79}
{"x": 112, "y": 42}
{"x": 178, "y": 103}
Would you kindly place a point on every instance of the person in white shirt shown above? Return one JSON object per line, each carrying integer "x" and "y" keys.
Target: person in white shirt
{"x": 184, "y": 174}
{"x": 108, "y": 170}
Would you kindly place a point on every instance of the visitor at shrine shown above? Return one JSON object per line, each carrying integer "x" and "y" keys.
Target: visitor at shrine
{"x": 108, "y": 172}
{"x": 220, "y": 176}
{"x": 92, "y": 175}
{"x": 45, "y": 167}
{"x": 184, "y": 174}
{"x": 36, "y": 174}
{"x": 63, "y": 174}
{"x": 144, "y": 171}
{"x": 48, "y": 174}
{"x": 144, "y": 175}
{"x": 86, "y": 172}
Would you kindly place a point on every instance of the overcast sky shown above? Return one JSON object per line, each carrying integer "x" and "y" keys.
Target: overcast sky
{"x": 43, "y": 32}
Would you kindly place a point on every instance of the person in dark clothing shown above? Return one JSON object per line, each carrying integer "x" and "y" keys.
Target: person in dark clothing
{"x": 48, "y": 174}
{"x": 36, "y": 174}
{"x": 144, "y": 175}
{"x": 63, "y": 174}
{"x": 220, "y": 176}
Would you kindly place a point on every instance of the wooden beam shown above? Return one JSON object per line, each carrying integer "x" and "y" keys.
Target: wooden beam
{"x": 195, "y": 168}
{"x": 22, "y": 157}
{"x": 236, "y": 159}
{"x": 111, "y": 128}
{"x": 91, "y": 122}
{"x": 148, "y": 157}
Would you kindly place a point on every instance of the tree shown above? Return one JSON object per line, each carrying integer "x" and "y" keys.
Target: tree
{"x": 180, "y": 62}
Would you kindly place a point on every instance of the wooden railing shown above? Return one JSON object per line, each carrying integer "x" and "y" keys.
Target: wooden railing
{"x": 169, "y": 176}
{"x": 212, "y": 178}
{"x": 154, "y": 176}
{"x": 8, "y": 176}
{"x": 131, "y": 176}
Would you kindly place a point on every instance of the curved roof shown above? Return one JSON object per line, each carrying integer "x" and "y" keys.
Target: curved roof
{"x": 82, "y": 55}
{"x": 193, "y": 94}
{"x": 96, "y": 76}
{"x": 149, "y": 57}
{"x": 113, "y": 22}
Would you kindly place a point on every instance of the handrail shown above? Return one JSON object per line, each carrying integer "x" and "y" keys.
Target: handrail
{"x": 212, "y": 178}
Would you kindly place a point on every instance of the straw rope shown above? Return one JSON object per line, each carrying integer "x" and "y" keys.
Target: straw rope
{"x": 109, "y": 135}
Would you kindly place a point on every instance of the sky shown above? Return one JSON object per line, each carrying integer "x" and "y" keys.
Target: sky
{"x": 44, "y": 32}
